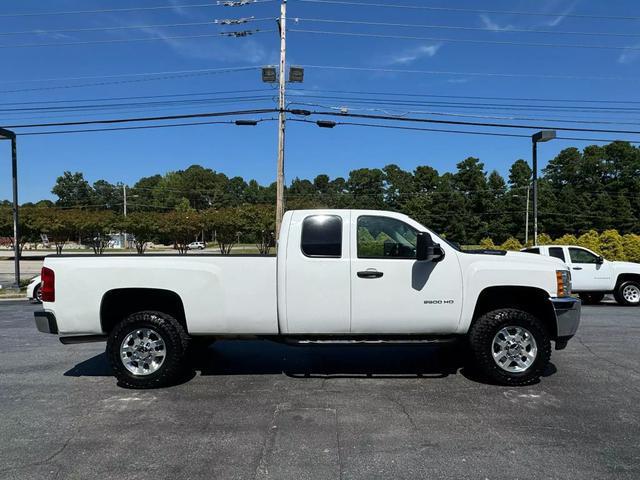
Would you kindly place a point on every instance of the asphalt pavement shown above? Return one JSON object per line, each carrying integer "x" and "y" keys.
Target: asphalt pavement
{"x": 261, "y": 410}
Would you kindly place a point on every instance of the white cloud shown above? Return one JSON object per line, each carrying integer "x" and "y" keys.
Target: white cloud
{"x": 555, "y": 21}
{"x": 493, "y": 26}
{"x": 629, "y": 56}
{"x": 411, "y": 55}
{"x": 213, "y": 48}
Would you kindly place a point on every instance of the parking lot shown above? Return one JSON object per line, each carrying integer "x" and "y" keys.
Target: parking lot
{"x": 267, "y": 411}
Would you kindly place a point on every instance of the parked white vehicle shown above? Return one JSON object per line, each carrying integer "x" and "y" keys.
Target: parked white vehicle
{"x": 196, "y": 246}
{"x": 340, "y": 276}
{"x": 593, "y": 276}
{"x": 34, "y": 293}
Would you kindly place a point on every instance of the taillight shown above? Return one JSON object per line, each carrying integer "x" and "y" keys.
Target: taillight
{"x": 48, "y": 285}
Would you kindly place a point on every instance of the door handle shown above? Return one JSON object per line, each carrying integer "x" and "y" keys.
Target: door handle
{"x": 577, "y": 268}
{"x": 370, "y": 274}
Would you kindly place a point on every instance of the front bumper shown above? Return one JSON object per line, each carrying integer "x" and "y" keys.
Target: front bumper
{"x": 567, "y": 311}
{"x": 46, "y": 322}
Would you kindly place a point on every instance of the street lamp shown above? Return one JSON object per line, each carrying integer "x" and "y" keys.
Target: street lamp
{"x": 9, "y": 135}
{"x": 541, "y": 136}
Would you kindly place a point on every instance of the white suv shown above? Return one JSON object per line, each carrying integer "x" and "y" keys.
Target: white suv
{"x": 196, "y": 246}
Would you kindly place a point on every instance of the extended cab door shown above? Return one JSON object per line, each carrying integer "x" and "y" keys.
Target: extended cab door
{"x": 391, "y": 292}
{"x": 313, "y": 273}
{"x": 586, "y": 273}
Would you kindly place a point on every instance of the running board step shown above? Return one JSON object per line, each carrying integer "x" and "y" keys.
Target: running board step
{"x": 368, "y": 341}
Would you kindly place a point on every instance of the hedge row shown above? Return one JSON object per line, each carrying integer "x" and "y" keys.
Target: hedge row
{"x": 610, "y": 244}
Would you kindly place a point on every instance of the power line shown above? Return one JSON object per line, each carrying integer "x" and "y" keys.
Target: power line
{"x": 473, "y": 74}
{"x": 138, "y": 97}
{"x": 474, "y": 124}
{"x": 504, "y": 106}
{"x": 122, "y": 27}
{"x": 121, "y": 10}
{"x": 462, "y": 28}
{"x": 146, "y": 119}
{"x": 464, "y": 132}
{"x": 143, "y": 127}
{"x": 468, "y": 10}
{"x": 194, "y": 73}
{"x": 463, "y": 40}
{"x": 468, "y": 115}
{"x": 123, "y": 40}
{"x": 528, "y": 99}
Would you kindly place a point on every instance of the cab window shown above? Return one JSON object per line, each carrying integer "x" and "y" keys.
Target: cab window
{"x": 557, "y": 252}
{"x": 385, "y": 237}
{"x": 322, "y": 236}
{"x": 579, "y": 255}
{"x": 533, "y": 250}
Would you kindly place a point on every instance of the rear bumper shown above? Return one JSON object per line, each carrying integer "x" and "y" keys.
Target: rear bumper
{"x": 46, "y": 322}
{"x": 567, "y": 311}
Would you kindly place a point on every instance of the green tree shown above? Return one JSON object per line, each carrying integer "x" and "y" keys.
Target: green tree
{"x": 511, "y": 243}
{"x": 487, "y": 244}
{"x": 258, "y": 221}
{"x": 73, "y": 190}
{"x": 590, "y": 240}
{"x": 631, "y": 244}
{"x": 144, "y": 226}
{"x": 182, "y": 227}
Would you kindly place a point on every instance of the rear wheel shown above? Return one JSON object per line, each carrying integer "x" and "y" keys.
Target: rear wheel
{"x": 591, "y": 298}
{"x": 148, "y": 350}
{"x": 628, "y": 293}
{"x": 37, "y": 294}
{"x": 510, "y": 346}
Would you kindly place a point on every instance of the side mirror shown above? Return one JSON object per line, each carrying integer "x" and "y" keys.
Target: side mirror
{"x": 599, "y": 260}
{"x": 427, "y": 250}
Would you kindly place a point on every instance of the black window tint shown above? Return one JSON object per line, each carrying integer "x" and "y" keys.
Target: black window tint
{"x": 384, "y": 237}
{"x": 322, "y": 236}
{"x": 533, "y": 250}
{"x": 582, "y": 256}
{"x": 557, "y": 252}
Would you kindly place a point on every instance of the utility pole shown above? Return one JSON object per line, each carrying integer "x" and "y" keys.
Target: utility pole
{"x": 124, "y": 196}
{"x": 281, "y": 118}
{"x": 526, "y": 218}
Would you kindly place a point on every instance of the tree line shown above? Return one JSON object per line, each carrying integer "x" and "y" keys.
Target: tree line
{"x": 579, "y": 190}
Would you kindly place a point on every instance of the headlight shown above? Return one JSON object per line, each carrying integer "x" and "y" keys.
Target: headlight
{"x": 563, "y": 280}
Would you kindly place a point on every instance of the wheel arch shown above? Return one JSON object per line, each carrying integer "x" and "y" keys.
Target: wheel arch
{"x": 116, "y": 304}
{"x": 625, "y": 277}
{"x": 530, "y": 299}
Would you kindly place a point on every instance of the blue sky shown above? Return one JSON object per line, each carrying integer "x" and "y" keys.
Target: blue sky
{"x": 251, "y": 151}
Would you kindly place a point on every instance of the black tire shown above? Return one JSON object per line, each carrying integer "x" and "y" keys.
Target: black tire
{"x": 625, "y": 300}
{"x": 37, "y": 294}
{"x": 176, "y": 342}
{"x": 591, "y": 298}
{"x": 481, "y": 336}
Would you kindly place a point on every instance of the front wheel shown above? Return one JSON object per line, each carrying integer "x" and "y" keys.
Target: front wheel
{"x": 510, "y": 346}
{"x": 628, "y": 293}
{"x": 148, "y": 350}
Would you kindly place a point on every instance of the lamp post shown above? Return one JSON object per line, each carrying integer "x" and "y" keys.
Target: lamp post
{"x": 9, "y": 135}
{"x": 541, "y": 136}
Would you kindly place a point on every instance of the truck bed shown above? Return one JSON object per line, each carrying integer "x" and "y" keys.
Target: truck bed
{"x": 220, "y": 294}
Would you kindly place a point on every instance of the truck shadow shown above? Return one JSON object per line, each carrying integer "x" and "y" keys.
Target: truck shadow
{"x": 269, "y": 358}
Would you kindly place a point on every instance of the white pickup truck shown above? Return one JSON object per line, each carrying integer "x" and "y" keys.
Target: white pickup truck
{"x": 340, "y": 276}
{"x": 594, "y": 277}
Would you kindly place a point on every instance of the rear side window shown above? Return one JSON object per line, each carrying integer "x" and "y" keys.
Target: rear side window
{"x": 322, "y": 236}
{"x": 533, "y": 250}
{"x": 557, "y": 252}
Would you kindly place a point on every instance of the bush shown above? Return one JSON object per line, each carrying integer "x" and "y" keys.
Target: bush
{"x": 487, "y": 244}
{"x": 590, "y": 240}
{"x": 611, "y": 246}
{"x": 566, "y": 239}
{"x": 511, "y": 244}
{"x": 544, "y": 239}
{"x": 631, "y": 245}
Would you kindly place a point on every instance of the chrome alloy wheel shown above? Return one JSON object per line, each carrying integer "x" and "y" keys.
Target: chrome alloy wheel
{"x": 143, "y": 351}
{"x": 514, "y": 349}
{"x": 631, "y": 293}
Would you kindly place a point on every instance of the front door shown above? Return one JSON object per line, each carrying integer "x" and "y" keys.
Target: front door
{"x": 391, "y": 292}
{"x": 587, "y": 274}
